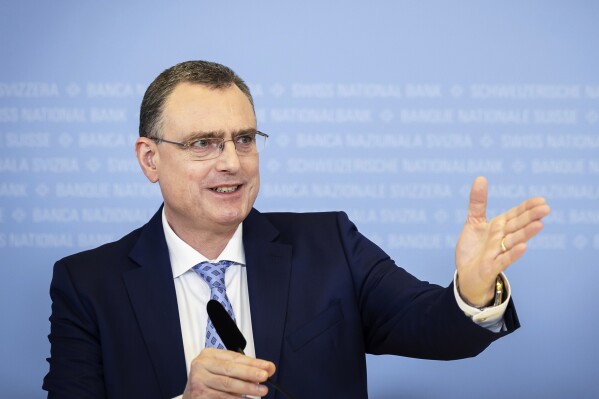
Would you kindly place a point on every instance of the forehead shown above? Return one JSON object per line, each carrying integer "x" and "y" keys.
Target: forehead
{"x": 196, "y": 108}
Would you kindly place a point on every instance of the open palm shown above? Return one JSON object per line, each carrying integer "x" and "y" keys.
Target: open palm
{"x": 479, "y": 254}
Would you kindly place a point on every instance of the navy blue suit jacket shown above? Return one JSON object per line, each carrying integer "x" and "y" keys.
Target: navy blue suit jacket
{"x": 321, "y": 297}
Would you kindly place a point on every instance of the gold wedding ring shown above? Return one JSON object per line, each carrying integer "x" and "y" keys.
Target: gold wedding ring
{"x": 503, "y": 247}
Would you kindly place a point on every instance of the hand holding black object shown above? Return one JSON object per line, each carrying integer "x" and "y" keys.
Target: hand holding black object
{"x": 231, "y": 336}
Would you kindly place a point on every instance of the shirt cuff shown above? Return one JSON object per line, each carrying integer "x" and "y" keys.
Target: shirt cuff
{"x": 490, "y": 317}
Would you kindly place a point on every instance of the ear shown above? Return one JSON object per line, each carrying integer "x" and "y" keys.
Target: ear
{"x": 148, "y": 158}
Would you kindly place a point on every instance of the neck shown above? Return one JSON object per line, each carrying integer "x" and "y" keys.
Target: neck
{"x": 210, "y": 243}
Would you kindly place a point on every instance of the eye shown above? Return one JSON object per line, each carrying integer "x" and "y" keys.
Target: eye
{"x": 201, "y": 143}
{"x": 247, "y": 139}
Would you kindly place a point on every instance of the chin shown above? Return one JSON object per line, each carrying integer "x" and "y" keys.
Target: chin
{"x": 232, "y": 217}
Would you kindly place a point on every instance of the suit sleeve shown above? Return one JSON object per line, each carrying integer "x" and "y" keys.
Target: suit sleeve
{"x": 405, "y": 316}
{"x": 75, "y": 354}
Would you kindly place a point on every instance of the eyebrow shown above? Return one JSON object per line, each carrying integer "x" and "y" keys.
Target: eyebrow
{"x": 220, "y": 134}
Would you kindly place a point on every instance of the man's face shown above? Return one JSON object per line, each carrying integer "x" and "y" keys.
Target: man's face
{"x": 212, "y": 195}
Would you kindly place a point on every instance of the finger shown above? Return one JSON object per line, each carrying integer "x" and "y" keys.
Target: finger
{"x": 477, "y": 206}
{"x": 237, "y": 371}
{"x": 523, "y": 235}
{"x": 222, "y": 354}
{"x": 505, "y": 259}
{"x": 219, "y": 387}
{"x": 526, "y": 218}
{"x": 219, "y": 371}
{"x": 525, "y": 206}
{"x": 211, "y": 393}
{"x": 236, "y": 365}
{"x": 221, "y": 383}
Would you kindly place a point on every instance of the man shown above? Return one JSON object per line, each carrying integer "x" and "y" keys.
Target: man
{"x": 309, "y": 292}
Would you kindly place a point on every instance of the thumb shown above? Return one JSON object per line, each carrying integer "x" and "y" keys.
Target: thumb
{"x": 477, "y": 207}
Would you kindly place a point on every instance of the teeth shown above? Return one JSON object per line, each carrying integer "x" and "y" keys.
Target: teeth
{"x": 225, "y": 189}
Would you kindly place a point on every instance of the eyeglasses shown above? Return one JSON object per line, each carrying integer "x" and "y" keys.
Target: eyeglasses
{"x": 211, "y": 147}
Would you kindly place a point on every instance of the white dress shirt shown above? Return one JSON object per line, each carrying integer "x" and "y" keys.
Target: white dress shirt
{"x": 193, "y": 293}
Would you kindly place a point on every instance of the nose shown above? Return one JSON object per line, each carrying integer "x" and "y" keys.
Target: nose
{"x": 228, "y": 160}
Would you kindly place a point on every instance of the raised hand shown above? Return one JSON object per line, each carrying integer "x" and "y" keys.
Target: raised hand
{"x": 486, "y": 248}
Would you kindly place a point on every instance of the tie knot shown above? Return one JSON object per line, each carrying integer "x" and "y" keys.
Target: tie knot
{"x": 213, "y": 273}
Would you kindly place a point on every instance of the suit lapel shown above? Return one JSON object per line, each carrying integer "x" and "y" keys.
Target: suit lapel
{"x": 152, "y": 293}
{"x": 269, "y": 272}
{"x": 151, "y": 290}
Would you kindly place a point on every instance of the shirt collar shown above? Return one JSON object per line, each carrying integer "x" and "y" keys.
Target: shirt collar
{"x": 183, "y": 257}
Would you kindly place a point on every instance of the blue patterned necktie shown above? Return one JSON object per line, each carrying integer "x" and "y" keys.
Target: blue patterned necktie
{"x": 214, "y": 275}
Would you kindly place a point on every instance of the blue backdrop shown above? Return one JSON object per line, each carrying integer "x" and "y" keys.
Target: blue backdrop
{"x": 385, "y": 109}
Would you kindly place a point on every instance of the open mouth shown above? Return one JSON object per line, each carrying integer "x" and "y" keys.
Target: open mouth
{"x": 225, "y": 189}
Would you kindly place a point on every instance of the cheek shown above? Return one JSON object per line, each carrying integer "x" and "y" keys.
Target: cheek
{"x": 180, "y": 184}
{"x": 252, "y": 169}
{"x": 257, "y": 186}
{"x": 193, "y": 184}
{"x": 255, "y": 189}
{"x": 254, "y": 173}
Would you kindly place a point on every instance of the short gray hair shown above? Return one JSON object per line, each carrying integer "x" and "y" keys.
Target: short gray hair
{"x": 209, "y": 74}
